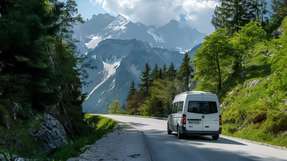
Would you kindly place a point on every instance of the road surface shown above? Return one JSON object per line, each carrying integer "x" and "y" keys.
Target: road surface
{"x": 164, "y": 147}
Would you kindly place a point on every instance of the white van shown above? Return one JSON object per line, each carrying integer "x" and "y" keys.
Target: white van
{"x": 195, "y": 113}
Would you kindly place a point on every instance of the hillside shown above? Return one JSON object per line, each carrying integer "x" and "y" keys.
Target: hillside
{"x": 253, "y": 98}
{"x": 257, "y": 108}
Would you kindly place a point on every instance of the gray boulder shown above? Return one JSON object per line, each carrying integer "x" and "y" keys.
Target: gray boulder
{"x": 51, "y": 133}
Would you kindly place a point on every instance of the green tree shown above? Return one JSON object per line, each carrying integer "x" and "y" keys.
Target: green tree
{"x": 171, "y": 72}
{"x": 159, "y": 101}
{"x": 132, "y": 89}
{"x": 243, "y": 41}
{"x": 233, "y": 14}
{"x": 145, "y": 81}
{"x": 155, "y": 72}
{"x": 279, "y": 13}
{"x": 133, "y": 103}
{"x": 213, "y": 61}
{"x": 185, "y": 73}
{"x": 164, "y": 71}
{"x": 37, "y": 63}
{"x": 114, "y": 107}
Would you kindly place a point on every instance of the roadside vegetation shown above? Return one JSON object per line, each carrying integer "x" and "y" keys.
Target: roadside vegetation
{"x": 40, "y": 88}
{"x": 94, "y": 128}
{"x": 244, "y": 61}
{"x": 97, "y": 127}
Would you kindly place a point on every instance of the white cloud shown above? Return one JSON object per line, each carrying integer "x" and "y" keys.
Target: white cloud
{"x": 160, "y": 12}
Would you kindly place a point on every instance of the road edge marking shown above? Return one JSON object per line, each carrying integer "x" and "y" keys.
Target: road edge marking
{"x": 256, "y": 142}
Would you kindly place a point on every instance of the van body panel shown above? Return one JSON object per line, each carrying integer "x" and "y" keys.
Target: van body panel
{"x": 202, "y": 112}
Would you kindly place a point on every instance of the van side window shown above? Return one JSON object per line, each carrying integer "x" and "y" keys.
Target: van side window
{"x": 202, "y": 107}
{"x": 177, "y": 107}
{"x": 174, "y": 107}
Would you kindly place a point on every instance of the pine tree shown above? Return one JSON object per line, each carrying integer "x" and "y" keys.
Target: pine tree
{"x": 279, "y": 13}
{"x": 132, "y": 89}
{"x": 184, "y": 73}
{"x": 133, "y": 103}
{"x": 171, "y": 72}
{"x": 233, "y": 14}
{"x": 160, "y": 74}
{"x": 164, "y": 71}
{"x": 155, "y": 73}
{"x": 37, "y": 58}
{"x": 145, "y": 81}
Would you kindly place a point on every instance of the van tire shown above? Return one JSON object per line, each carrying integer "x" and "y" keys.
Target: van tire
{"x": 179, "y": 134}
{"x": 168, "y": 130}
{"x": 215, "y": 137}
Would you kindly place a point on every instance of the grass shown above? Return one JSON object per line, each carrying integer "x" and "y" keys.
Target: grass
{"x": 99, "y": 127}
{"x": 255, "y": 134}
{"x": 96, "y": 128}
{"x": 256, "y": 113}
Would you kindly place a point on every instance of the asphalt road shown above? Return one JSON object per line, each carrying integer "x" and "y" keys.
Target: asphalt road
{"x": 164, "y": 147}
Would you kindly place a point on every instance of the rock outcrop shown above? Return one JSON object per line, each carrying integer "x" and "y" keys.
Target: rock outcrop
{"x": 51, "y": 133}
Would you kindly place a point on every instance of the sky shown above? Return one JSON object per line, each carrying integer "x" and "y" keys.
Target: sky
{"x": 154, "y": 12}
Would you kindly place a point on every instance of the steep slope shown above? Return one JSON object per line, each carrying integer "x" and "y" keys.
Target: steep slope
{"x": 113, "y": 64}
{"x": 254, "y": 98}
{"x": 257, "y": 109}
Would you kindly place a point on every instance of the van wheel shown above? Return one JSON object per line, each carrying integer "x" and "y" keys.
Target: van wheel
{"x": 179, "y": 134}
{"x": 168, "y": 130}
{"x": 215, "y": 137}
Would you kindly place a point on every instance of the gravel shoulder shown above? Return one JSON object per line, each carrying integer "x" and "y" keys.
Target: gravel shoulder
{"x": 123, "y": 144}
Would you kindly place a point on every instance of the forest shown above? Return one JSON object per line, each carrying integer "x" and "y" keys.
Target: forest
{"x": 40, "y": 88}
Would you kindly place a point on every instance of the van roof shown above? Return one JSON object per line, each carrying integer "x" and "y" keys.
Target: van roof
{"x": 201, "y": 95}
{"x": 197, "y": 93}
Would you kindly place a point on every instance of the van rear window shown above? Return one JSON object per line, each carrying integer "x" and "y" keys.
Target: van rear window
{"x": 202, "y": 107}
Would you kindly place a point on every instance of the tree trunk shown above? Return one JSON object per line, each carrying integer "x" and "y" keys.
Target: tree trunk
{"x": 219, "y": 85}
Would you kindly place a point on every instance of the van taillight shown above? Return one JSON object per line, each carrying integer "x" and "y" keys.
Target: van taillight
{"x": 183, "y": 119}
{"x": 220, "y": 120}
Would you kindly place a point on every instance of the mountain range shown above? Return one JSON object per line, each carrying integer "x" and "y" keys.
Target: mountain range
{"x": 175, "y": 35}
{"x": 114, "y": 64}
{"x": 115, "y": 51}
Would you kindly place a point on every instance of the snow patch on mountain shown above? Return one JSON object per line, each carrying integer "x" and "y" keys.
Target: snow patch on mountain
{"x": 109, "y": 70}
{"x": 156, "y": 37}
{"x": 113, "y": 85}
{"x": 93, "y": 43}
{"x": 118, "y": 25}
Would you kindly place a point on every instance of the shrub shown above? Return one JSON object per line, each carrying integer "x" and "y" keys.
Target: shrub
{"x": 4, "y": 117}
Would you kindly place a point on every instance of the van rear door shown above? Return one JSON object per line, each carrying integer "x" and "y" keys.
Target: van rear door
{"x": 194, "y": 117}
{"x": 210, "y": 116}
{"x": 203, "y": 116}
